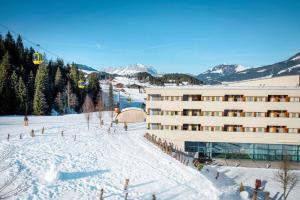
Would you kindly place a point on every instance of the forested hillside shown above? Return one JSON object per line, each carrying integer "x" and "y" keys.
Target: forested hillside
{"x": 175, "y": 78}
{"x": 26, "y": 88}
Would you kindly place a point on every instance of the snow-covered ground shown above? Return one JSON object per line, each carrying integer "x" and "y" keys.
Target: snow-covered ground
{"x": 59, "y": 167}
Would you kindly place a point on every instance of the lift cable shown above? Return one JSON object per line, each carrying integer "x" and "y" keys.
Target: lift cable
{"x": 30, "y": 41}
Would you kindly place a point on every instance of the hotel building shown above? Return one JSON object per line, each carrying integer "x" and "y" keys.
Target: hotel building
{"x": 255, "y": 121}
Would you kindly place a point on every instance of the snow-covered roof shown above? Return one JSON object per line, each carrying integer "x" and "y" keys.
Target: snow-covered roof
{"x": 132, "y": 108}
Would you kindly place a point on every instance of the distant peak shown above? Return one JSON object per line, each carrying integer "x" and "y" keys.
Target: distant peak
{"x": 131, "y": 69}
{"x": 225, "y": 69}
{"x": 295, "y": 57}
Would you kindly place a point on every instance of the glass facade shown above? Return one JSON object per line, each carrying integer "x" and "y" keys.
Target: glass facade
{"x": 269, "y": 152}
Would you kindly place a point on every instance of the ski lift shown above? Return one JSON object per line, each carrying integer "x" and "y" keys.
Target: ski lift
{"x": 37, "y": 58}
{"x": 81, "y": 84}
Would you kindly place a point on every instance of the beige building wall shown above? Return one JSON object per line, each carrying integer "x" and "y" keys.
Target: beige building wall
{"x": 179, "y": 136}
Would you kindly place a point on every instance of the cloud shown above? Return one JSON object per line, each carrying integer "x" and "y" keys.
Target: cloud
{"x": 98, "y": 45}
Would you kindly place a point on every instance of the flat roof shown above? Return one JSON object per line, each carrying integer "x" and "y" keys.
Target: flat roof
{"x": 225, "y": 87}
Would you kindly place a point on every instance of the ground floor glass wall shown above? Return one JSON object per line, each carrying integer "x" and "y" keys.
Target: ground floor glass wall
{"x": 269, "y": 152}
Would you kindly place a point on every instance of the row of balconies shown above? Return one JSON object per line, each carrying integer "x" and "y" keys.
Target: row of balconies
{"x": 226, "y": 113}
{"x": 225, "y": 128}
{"x": 230, "y": 98}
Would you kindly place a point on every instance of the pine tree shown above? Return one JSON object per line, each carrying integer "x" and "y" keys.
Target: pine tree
{"x": 14, "y": 88}
{"x": 9, "y": 42}
{"x": 22, "y": 96}
{"x": 14, "y": 83}
{"x": 39, "y": 103}
{"x": 5, "y": 86}
{"x": 93, "y": 88}
{"x": 58, "y": 83}
{"x": 19, "y": 51}
{"x": 59, "y": 103}
{"x": 41, "y": 85}
{"x": 74, "y": 76}
{"x": 19, "y": 44}
{"x": 73, "y": 101}
{"x": 1, "y": 47}
{"x": 30, "y": 91}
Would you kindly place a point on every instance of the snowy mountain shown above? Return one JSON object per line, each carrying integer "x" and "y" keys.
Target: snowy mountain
{"x": 229, "y": 73}
{"x": 131, "y": 69}
{"x": 85, "y": 68}
{"x": 213, "y": 75}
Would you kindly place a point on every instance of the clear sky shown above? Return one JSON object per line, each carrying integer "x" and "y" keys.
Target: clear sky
{"x": 173, "y": 36}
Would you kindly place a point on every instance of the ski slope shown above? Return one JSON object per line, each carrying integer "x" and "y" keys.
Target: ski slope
{"x": 57, "y": 167}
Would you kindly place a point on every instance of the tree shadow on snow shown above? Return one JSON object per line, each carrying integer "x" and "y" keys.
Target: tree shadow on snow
{"x": 66, "y": 176}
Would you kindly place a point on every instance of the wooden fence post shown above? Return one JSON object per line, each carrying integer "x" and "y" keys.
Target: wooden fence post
{"x": 101, "y": 194}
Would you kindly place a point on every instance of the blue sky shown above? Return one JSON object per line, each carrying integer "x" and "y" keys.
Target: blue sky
{"x": 173, "y": 36}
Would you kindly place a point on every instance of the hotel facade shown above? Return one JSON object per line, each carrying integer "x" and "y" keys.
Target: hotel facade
{"x": 231, "y": 122}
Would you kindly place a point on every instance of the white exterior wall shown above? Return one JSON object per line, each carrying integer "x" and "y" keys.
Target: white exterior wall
{"x": 179, "y": 136}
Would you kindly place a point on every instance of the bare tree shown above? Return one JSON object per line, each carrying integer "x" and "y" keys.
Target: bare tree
{"x": 286, "y": 177}
{"x": 8, "y": 188}
{"x": 100, "y": 108}
{"x": 87, "y": 109}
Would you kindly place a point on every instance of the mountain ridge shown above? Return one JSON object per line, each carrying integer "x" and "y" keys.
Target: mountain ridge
{"x": 130, "y": 69}
{"x": 291, "y": 66}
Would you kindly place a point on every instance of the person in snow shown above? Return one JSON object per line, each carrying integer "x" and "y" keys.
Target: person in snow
{"x": 26, "y": 120}
{"x": 218, "y": 174}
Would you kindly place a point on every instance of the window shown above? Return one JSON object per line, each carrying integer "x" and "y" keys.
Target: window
{"x": 206, "y": 128}
{"x": 155, "y": 126}
{"x": 218, "y": 128}
{"x": 249, "y": 129}
{"x": 249, "y": 98}
{"x": 294, "y": 115}
{"x": 294, "y": 99}
{"x": 260, "y": 129}
{"x": 261, "y": 99}
{"x": 233, "y": 97}
{"x": 185, "y": 112}
{"x": 155, "y": 111}
{"x": 260, "y": 114}
{"x": 218, "y": 98}
{"x": 207, "y": 98}
{"x": 218, "y": 113}
{"x": 249, "y": 114}
{"x": 207, "y": 113}
{"x": 185, "y": 127}
{"x": 196, "y": 97}
{"x": 185, "y": 97}
{"x": 154, "y": 97}
{"x": 293, "y": 130}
